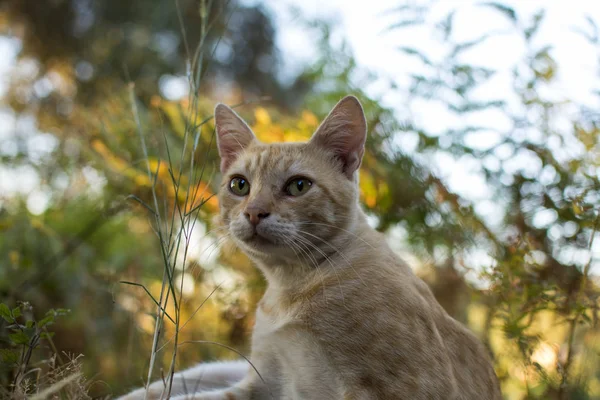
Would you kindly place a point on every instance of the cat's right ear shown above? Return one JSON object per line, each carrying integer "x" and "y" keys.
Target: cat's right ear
{"x": 343, "y": 133}
{"x": 233, "y": 135}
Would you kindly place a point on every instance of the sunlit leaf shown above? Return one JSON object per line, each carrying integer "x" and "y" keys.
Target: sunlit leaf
{"x": 535, "y": 25}
{"x": 506, "y": 10}
{"x": 414, "y": 52}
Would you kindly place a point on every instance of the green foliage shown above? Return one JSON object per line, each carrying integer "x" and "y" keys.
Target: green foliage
{"x": 26, "y": 340}
{"x": 26, "y": 335}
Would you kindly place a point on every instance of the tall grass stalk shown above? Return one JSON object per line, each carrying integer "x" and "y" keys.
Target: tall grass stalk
{"x": 174, "y": 227}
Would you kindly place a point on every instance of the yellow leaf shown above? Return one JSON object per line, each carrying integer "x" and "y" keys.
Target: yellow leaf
{"x": 270, "y": 133}
{"x": 371, "y": 201}
{"x": 141, "y": 179}
{"x": 162, "y": 166}
{"x": 114, "y": 162}
{"x": 262, "y": 116}
{"x": 295, "y": 136}
{"x": 368, "y": 189}
{"x": 175, "y": 116}
{"x": 198, "y": 194}
{"x": 155, "y": 101}
{"x": 310, "y": 119}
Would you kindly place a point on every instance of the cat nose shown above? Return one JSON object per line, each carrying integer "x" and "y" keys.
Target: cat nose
{"x": 255, "y": 215}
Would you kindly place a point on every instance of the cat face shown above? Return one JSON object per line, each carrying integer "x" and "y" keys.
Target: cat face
{"x": 290, "y": 200}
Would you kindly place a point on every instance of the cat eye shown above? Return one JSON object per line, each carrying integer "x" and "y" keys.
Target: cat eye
{"x": 239, "y": 186}
{"x": 298, "y": 186}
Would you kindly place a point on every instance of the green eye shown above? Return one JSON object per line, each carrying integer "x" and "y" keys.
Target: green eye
{"x": 239, "y": 186}
{"x": 298, "y": 186}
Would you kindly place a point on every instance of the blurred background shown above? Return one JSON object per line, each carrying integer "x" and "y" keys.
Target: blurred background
{"x": 482, "y": 167}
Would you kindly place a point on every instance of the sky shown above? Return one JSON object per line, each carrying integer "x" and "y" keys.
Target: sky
{"x": 363, "y": 25}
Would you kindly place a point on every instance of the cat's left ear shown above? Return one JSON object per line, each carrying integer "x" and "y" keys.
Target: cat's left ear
{"x": 343, "y": 133}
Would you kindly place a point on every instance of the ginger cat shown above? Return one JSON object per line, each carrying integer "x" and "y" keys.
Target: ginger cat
{"x": 343, "y": 317}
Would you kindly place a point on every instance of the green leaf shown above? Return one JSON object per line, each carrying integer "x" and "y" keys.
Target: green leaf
{"x": 405, "y": 23}
{"x": 411, "y": 51}
{"x": 46, "y": 335}
{"x": 9, "y": 356}
{"x": 506, "y": 10}
{"x": 586, "y": 318}
{"x": 446, "y": 25}
{"x": 29, "y": 332}
{"x": 537, "y": 19}
{"x": 18, "y": 338}
{"x": 51, "y": 316}
{"x": 16, "y": 312}
{"x": 47, "y": 320}
{"x": 460, "y": 47}
{"x": 5, "y": 313}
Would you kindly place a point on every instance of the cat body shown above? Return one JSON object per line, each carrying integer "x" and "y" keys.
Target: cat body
{"x": 343, "y": 317}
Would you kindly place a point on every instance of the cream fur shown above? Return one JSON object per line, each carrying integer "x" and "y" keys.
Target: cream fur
{"x": 343, "y": 317}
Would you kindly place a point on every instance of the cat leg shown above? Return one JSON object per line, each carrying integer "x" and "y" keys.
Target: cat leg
{"x": 201, "y": 378}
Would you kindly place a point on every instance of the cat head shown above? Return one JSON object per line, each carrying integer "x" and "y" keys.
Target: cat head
{"x": 289, "y": 200}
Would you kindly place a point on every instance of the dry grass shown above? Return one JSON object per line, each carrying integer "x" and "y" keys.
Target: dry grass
{"x": 51, "y": 379}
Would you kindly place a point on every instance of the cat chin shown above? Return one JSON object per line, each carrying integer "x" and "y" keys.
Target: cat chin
{"x": 259, "y": 241}
{"x": 258, "y": 244}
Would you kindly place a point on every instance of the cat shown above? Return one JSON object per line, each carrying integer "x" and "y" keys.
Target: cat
{"x": 342, "y": 317}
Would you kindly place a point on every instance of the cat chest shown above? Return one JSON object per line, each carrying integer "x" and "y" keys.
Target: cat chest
{"x": 273, "y": 323}
{"x": 295, "y": 355}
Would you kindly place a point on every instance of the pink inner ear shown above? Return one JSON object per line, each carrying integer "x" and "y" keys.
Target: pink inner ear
{"x": 225, "y": 163}
{"x": 230, "y": 148}
{"x": 344, "y": 132}
{"x": 233, "y": 135}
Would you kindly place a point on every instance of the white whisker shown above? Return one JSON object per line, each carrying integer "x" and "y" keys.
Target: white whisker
{"x": 309, "y": 243}
{"x": 342, "y": 229}
{"x": 308, "y": 257}
{"x": 339, "y": 252}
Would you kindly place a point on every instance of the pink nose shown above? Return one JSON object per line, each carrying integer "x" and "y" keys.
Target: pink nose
{"x": 255, "y": 215}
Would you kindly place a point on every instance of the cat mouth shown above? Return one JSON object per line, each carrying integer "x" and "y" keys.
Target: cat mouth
{"x": 259, "y": 240}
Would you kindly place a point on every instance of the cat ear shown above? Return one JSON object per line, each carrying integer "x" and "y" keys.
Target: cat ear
{"x": 343, "y": 133}
{"x": 233, "y": 135}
